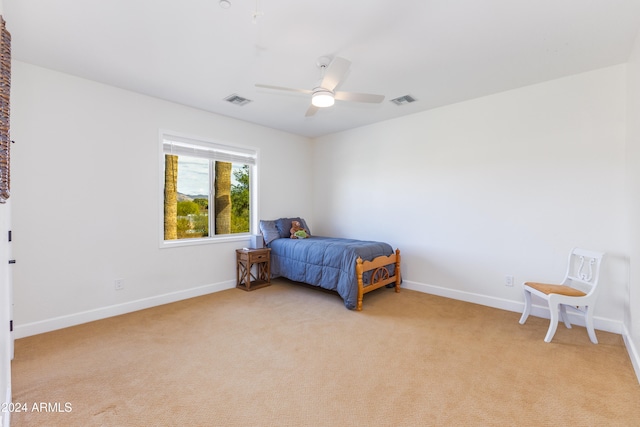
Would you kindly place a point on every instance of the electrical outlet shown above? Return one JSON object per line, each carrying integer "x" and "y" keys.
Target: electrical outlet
{"x": 508, "y": 280}
{"x": 118, "y": 284}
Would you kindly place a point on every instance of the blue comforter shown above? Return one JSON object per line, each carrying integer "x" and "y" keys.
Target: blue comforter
{"x": 326, "y": 262}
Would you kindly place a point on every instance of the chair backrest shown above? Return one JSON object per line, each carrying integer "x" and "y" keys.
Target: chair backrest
{"x": 583, "y": 270}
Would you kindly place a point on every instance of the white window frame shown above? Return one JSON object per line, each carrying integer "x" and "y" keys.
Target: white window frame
{"x": 195, "y": 146}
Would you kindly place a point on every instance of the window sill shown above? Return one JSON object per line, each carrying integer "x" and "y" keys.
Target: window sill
{"x": 165, "y": 244}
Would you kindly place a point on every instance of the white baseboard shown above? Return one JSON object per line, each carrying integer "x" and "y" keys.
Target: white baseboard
{"x": 55, "y": 323}
{"x": 600, "y": 323}
{"x": 633, "y": 352}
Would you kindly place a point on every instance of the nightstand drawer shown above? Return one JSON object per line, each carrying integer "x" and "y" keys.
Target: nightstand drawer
{"x": 259, "y": 257}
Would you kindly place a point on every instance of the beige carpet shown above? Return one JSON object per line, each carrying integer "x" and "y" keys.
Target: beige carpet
{"x": 287, "y": 355}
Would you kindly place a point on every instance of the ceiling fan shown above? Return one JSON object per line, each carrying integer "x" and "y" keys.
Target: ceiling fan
{"x": 324, "y": 95}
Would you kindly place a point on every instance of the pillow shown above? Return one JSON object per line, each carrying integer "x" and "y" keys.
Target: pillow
{"x": 269, "y": 231}
{"x": 284, "y": 226}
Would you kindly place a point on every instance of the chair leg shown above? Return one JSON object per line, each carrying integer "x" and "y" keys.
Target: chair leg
{"x": 588, "y": 319}
{"x": 553, "y": 322}
{"x": 563, "y": 315}
{"x": 527, "y": 307}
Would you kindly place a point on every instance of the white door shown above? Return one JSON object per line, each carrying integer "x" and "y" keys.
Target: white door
{"x": 6, "y": 309}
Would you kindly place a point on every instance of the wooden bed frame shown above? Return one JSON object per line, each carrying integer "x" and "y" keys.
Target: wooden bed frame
{"x": 380, "y": 276}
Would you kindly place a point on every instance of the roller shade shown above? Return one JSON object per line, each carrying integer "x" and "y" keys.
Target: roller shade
{"x": 180, "y": 146}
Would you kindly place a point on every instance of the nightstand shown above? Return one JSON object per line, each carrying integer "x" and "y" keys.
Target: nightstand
{"x": 245, "y": 260}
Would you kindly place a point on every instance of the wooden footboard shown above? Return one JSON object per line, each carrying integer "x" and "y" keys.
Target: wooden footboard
{"x": 380, "y": 275}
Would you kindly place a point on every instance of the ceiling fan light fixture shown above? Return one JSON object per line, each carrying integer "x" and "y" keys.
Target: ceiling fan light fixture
{"x": 322, "y": 98}
{"x": 225, "y": 4}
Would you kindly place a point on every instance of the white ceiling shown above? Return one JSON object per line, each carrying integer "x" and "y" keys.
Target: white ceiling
{"x": 196, "y": 53}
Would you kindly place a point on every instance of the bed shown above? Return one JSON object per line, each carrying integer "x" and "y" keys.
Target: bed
{"x": 347, "y": 266}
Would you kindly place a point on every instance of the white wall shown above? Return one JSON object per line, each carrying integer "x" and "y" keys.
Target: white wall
{"x": 86, "y": 199}
{"x": 633, "y": 162}
{"x": 501, "y": 185}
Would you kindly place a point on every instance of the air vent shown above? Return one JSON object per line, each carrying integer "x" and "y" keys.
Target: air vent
{"x": 402, "y": 100}
{"x": 237, "y": 100}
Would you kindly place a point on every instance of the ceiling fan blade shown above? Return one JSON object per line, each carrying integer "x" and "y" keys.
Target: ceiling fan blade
{"x": 359, "y": 97}
{"x": 335, "y": 73}
{"x": 288, "y": 89}
{"x": 311, "y": 111}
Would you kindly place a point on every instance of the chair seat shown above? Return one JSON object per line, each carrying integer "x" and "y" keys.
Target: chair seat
{"x": 547, "y": 289}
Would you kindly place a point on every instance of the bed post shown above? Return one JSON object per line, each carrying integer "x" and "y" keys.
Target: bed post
{"x": 397, "y": 272}
{"x": 359, "y": 273}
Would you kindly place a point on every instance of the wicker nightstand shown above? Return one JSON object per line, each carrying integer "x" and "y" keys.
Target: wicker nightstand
{"x": 245, "y": 259}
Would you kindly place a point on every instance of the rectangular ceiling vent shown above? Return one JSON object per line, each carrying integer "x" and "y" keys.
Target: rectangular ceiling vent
{"x": 402, "y": 100}
{"x": 237, "y": 100}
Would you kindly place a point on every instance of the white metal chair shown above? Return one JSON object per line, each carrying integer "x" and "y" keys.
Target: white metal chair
{"x": 577, "y": 292}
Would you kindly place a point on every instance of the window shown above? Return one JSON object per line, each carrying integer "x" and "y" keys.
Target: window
{"x": 199, "y": 178}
